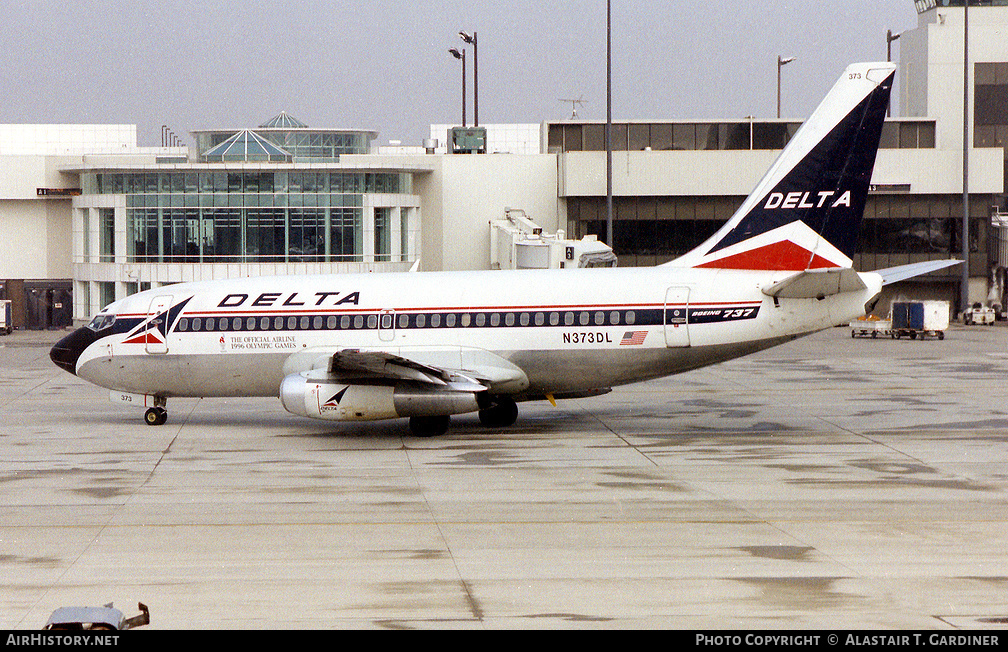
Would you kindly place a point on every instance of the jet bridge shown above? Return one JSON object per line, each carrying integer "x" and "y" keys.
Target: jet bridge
{"x": 516, "y": 242}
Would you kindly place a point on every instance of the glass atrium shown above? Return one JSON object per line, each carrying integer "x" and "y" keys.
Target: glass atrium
{"x": 274, "y": 194}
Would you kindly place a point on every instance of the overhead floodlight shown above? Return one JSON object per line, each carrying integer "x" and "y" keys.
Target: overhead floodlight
{"x": 781, "y": 61}
{"x": 461, "y": 56}
{"x": 889, "y": 38}
{"x": 471, "y": 40}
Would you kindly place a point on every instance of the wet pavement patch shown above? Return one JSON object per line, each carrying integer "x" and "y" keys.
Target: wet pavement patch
{"x": 784, "y": 553}
{"x": 798, "y": 594}
{"x": 42, "y": 561}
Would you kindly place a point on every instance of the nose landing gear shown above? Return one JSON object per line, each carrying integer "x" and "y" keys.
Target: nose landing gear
{"x": 155, "y": 416}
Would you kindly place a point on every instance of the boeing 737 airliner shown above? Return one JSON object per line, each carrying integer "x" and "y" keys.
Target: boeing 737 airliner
{"x": 431, "y": 344}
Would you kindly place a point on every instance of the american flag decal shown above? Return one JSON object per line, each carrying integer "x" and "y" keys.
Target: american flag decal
{"x": 633, "y": 338}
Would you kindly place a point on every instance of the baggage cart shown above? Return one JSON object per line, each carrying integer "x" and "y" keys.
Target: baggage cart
{"x": 919, "y": 319}
{"x": 870, "y": 327}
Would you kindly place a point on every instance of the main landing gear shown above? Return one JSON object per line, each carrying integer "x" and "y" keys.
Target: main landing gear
{"x": 503, "y": 413}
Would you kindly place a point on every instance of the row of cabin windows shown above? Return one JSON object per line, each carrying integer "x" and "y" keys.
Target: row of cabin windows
{"x": 405, "y": 320}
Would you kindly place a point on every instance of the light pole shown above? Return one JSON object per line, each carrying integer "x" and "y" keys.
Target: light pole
{"x": 472, "y": 40}
{"x": 964, "y": 282}
{"x": 608, "y": 128}
{"x": 781, "y": 62}
{"x": 461, "y": 55}
{"x": 890, "y": 37}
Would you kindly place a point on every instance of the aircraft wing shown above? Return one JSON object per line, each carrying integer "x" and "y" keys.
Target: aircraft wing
{"x": 382, "y": 364}
{"x": 437, "y": 367}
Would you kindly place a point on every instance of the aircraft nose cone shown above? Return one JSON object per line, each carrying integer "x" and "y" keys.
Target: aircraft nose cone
{"x": 67, "y": 351}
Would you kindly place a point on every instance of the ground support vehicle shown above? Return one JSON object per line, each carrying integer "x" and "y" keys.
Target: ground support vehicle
{"x": 870, "y": 327}
{"x": 919, "y": 319}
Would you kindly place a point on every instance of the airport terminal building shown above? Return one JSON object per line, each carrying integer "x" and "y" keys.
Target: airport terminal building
{"x": 88, "y": 216}
{"x": 271, "y": 200}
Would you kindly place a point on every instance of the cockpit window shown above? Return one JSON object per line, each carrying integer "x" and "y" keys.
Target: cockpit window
{"x": 101, "y": 322}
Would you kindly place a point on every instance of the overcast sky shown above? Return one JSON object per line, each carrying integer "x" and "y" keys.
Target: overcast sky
{"x": 384, "y": 65}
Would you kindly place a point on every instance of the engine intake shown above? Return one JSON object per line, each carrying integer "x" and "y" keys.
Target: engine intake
{"x": 336, "y": 401}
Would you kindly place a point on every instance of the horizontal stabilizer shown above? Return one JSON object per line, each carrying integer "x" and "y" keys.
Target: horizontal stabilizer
{"x": 816, "y": 284}
{"x": 903, "y": 272}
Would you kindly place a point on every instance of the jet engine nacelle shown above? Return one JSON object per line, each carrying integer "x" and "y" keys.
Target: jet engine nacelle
{"x": 325, "y": 399}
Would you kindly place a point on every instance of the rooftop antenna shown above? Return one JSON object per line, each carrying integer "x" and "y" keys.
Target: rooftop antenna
{"x": 574, "y": 105}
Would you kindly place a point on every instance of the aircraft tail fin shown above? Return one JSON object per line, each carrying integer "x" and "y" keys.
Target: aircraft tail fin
{"x": 805, "y": 213}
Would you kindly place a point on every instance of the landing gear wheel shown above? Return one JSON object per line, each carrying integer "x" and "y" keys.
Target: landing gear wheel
{"x": 155, "y": 416}
{"x": 500, "y": 415}
{"x": 429, "y": 426}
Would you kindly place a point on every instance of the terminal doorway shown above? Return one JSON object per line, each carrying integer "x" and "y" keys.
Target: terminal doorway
{"x": 47, "y": 305}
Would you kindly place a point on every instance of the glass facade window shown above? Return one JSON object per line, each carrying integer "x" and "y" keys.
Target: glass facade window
{"x": 897, "y": 228}
{"x": 908, "y": 135}
{"x": 594, "y": 137}
{"x": 180, "y": 241}
{"x": 772, "y": 135}
{"x": 106, "y": 235}
{"x": 86, "y": 218}
{"x": 735, "y": 135}
{"x": 990, "y": 107}
{"x": 638, "y": 138}
{"x": 404, "y": 234}
{"x": 572, "y": 140}
{"x": 346, "y": 227}
{"x": 265, "y": 233}
{"x": 655, "y": 227}
{"x": 106, "y": 292}
{"x": 661, "y": 137}
{"x": 686, "y": 136}
{"x": 382, "y": 234}
{"x": 306, "y": 234}
{"x": 289, "y": 140}
{"x": 244, "y": 216}
{"x": 142, "y": 240}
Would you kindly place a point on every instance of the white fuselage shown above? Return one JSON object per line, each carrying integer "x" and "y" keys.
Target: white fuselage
{"x": 568, "y": 331}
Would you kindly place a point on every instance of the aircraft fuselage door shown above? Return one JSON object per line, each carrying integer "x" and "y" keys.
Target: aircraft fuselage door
{"x": 677, "y": 317}
{"x": 157, "y": 330}
{"x": 386, "y": 325}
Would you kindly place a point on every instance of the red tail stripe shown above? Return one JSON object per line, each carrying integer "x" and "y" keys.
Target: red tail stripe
{"x": 778, "y": 256}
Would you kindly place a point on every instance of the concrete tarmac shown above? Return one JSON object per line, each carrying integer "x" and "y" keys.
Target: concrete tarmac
{"x": 828, "y": 483}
